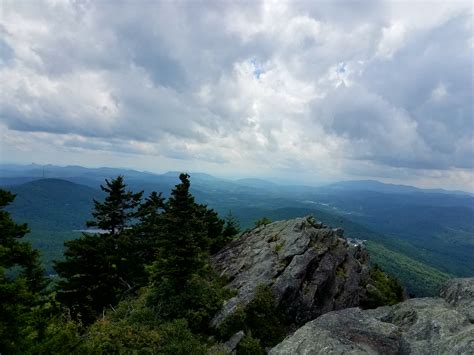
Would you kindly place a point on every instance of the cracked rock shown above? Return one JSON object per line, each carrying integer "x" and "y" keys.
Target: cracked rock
{"x": 309, "y": 267}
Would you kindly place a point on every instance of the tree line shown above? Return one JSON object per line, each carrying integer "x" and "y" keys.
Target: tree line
{"x": 150, "y": 267}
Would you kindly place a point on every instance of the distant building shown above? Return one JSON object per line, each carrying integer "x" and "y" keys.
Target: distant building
{"x": 354, "y": 242}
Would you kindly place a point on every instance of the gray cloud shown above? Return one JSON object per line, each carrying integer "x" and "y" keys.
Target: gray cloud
{"x": 313, "y": 87}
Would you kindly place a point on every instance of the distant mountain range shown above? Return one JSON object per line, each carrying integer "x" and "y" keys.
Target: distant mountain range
{"x": 377, "y": 186}
{"x": 13, "y": 174}
{"x": 422, "y": 236}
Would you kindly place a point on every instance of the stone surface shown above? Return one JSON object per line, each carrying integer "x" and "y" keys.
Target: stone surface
{"x": 234, "y": 340}
{"x": 460, "y": 294}
{"x": 416, "y": 326}
{"x": 310, "y": 268}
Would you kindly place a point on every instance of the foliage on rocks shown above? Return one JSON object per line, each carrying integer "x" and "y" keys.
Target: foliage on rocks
{"x": 260, "y": 317}
{"x": 382, "y": 290}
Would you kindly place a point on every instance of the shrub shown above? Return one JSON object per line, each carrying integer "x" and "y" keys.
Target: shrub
{"x": 250, "y": 346}
{"x": 62, "y": 336}
{"x": 260, "y": 317}
{"x": 263, "y": 222}
{"x": 200, "y": 300}
{"x": 382, "y": 290}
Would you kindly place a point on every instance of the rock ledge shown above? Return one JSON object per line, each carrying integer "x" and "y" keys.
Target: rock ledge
{"x": 417, "y": 326}
{"x": 310, "y": 268}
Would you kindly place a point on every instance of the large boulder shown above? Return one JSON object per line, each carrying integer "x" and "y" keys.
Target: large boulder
{"x": 416, "y": 326}
{"x": 309, "y": 267}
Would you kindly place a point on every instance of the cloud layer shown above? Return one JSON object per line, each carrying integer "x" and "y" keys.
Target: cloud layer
{"x": 321, "y": 89}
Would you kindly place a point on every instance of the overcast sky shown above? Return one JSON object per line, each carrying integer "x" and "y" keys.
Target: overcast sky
{"x": 297, "y": 91}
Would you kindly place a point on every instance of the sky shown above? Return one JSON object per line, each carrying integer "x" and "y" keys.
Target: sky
{"x": 296, "y": 91}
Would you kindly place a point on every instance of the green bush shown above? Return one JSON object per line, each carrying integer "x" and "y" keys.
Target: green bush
{"x": 62, "y": 336}
{"x": 132, "y": 338}
{"x": 199, "y": 301}
{"x": 134, "y": 328}
{"x": 232, "y": 324}
{"x": 260, "y": 317}
{"x": 382, "y": 290}
{"x": 135, "y": 335}
{"x": 263, "y": 222}
{"x": 250, "y": 346}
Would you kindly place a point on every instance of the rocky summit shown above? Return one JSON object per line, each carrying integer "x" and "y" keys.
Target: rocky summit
{"x": 443, "y": 325}
{"x": 310, "y": 268}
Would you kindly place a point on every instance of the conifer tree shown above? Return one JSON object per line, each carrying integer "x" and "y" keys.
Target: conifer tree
{"x": 99, "y": 270}
{"x": 21, "y": 282}
{"x": 148, "y": 228}
{"x": 118, "y": 209}
{"x": 214, "y": 226}
{"x": 183, "y": 285}
{"x": 183, "y": 242}
{"x": 231, "y": 228}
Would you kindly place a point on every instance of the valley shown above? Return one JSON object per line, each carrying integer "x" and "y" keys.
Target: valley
{"x": 421, "y": 237}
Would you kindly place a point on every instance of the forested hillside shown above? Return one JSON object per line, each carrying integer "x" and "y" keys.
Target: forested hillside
{"x": 146, "y": 284}
{"x": 422, "y": 236}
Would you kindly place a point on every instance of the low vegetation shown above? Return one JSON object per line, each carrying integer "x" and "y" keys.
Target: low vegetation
{"x": 260, "y": 319}
{"x": 382, "y": 290}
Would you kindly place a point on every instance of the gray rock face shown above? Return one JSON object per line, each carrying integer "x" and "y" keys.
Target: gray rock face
{"x": 460, "y": 294}
{"x": 232, "y": 343}
{"x": 416, "y": 326}
{"x": 310, "y": 268}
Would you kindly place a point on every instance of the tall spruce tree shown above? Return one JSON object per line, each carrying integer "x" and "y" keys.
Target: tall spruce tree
{"x": 118, "y": 209}
{"x": 214, "y": 226}
{"x": 148, "y": 228}
{"x": 182, "y": 283}
{"x": 184, "y": 241}
{"x": 231, "y": 228}
{"x": 21, "y": 284}
{"x": 100, "y": 269}
{"x": 229, "y": 232}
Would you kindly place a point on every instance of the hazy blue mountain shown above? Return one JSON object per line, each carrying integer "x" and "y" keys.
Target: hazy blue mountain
{"x": 377, "y": 186}
{"x": 258, "y": 183}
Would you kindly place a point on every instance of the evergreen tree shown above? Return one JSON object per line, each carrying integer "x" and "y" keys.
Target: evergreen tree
{"x": 214, "y": 226}
{"x": 148, "y": 228}
{"x": 118, "y": 209}
{"x": 183, "y": 285}
{"x": 231, "y": 228}
{"x": 21, "y": 283}
{"x": 100, "y": 269}
{"x": 183, "y": 242}
{"x": 88, "y": 278}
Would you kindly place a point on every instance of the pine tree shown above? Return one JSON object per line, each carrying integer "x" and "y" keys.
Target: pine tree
{"x": 149, "y": 226}
{"x": 100, "y": 269}
{"x": 214, "y": 227}
{"x": 118, "y": 209}
{"x": 183, "y": 242}
{"x": 182, "y": 284}
{"x": 231, "y": 228}
{"x": 21, "y": 283}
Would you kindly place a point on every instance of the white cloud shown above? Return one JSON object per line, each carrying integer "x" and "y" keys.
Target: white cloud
{"x": 439, "y": 92}
{"x": 269, "y": 87}
{"x": 393, "y": 38}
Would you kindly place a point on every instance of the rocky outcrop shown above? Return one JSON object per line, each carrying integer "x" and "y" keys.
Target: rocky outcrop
{"x": 416, "y": 326}
{"x": 309, "y": 267}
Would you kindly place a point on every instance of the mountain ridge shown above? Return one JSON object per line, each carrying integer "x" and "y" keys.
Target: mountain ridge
{"x": 13, "y": 170}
